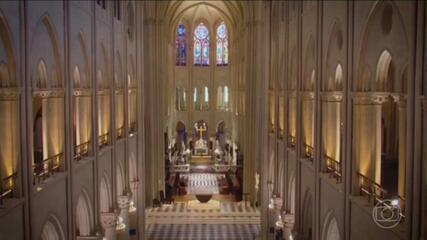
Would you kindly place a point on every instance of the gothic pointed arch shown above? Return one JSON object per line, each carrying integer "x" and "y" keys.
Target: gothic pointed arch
{"x": 52, "y": 229}
{"x": 201, "y": 43}
{"x": 384, "y": 27}
{"x": 84, "y": 215}
{"x": 330, "y": 229}
{"x": 334, "y": 58}
{"x": 181, "y": 44}
{"x": 307, "y": 215}
{"x": 86, "y": 79}
{"x": 105, "y": 194}
{"x": 222, "y": 44}
{"x": 309, "y": 66}
{"x": 45, "y": 46}
{"x": 7, "y": 65}
{"x": 120, "y": 180}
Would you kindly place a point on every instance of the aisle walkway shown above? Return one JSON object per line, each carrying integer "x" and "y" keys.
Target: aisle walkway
{"x": 188, "y": 220}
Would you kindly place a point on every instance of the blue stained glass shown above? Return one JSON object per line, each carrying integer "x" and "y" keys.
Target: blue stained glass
{"x": 201, "y": 45}
{"x": 181, "y": 30}
{"x": 221, "y": 45}
{"x": 181, "y": 46}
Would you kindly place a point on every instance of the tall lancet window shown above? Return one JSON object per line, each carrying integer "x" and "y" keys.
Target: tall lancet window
{"x": 226, "y": 98}
{"x": 181, "y": 45}
{"x": 221, "y": 45}
{"x": 201, "y": 45}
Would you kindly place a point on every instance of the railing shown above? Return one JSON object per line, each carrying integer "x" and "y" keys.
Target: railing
{"x": 120, "y": 132}
{"x": 103, "y": 139}
{"x": 333, "y": 167}
{"x": 374, "y": 190}
{"x": 81, "y": 150}
{"x": 7, "y": 185}
{"x": 308, "y": 152}
{"x": 292, "y": 141}
{"x": 370, "y": 188}
{"x": 132, "y": 127}
{"x": 46, "y": 168}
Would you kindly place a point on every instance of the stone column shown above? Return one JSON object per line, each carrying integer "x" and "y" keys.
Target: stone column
{"x": 367, "y": 135}
{"x": 401, "y": 115}
{"x": 123, "y": 203}
{"x": 307, "y": 122}
{"x": 109, "y": 223}
{"x": 331, "y": 126}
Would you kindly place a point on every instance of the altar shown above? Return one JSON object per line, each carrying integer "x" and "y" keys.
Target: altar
{"x": 199, "y": 160}
{"x": 201, "y": 148}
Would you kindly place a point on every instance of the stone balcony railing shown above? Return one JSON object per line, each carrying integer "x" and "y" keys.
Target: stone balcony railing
{"x": 81, "y": 150}
{"x": 103, "y": 139}
{"x": 46, "y": 168}
{"x": 7, "y": 186}
{"x": 333, "y": 167}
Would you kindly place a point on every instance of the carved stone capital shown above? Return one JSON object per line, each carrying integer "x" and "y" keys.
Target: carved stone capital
{"x": 400, "y": 100}
{"x": 52, "y": 93}
{"x": 82, "y": 92}
{"x": 307, "y": 96}
{"x": 8, "y": 94}
{"x": 123, "y": 201}
{"x": 120, "y": 91}
{"x": 331, "y": 96}
{"x": 132, "y": 89}
{"x": 103, "y": 92}
{"x": 108, "y": 220}
{"x": 369, "y": 98}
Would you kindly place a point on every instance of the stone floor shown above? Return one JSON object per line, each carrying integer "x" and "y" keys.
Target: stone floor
{"x": 184, "y": 220}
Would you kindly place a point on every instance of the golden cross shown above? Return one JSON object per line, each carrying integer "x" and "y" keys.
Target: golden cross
{"x": 201, "y": 130}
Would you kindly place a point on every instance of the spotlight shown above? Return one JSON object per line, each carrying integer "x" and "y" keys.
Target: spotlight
{"x": 395, "y": 202}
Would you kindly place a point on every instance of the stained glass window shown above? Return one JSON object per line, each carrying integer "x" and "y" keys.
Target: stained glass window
{"x": 206, "y": 99}
{"x": 221, "y": 45}
{"x": 181, "y": 45}
{"x": 226, "y": 95}
{"x": 201, "y": 45}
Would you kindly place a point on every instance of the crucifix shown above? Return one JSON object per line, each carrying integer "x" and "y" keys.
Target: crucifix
{"x": 201, "y": 129}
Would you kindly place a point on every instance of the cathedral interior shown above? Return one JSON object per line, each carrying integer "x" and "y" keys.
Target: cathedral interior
{"x": 213, "y": 120}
